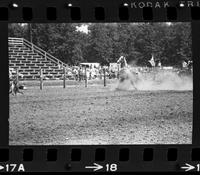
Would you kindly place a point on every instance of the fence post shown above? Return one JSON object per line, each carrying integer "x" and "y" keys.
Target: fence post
{"x": 104, "y": 76}
{"x": 86, "y": 77}
{"x": 117, "y": 71}
{"x": 17, "y": 76}
{"x": 64, "y": 76}
{"x": 41, "y": 79}
{"x": 79, "y": 74}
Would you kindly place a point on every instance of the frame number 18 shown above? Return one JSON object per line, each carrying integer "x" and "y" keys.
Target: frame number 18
{"x": 111, "y": 167}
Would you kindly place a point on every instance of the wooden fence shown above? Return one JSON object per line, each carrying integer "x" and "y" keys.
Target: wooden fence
{"x": 42, "y": 78}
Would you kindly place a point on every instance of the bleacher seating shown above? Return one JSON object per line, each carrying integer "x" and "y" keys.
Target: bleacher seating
{"x": 29, "y": 59}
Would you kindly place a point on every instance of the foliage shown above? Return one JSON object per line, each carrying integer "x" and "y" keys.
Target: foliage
{"x": 105, "y": 43}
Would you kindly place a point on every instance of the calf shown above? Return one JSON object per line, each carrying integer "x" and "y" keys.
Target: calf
{"x": 14, "y": 88}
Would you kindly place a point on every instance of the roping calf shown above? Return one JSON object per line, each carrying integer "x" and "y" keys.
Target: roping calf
{"x": 14, "y": 87}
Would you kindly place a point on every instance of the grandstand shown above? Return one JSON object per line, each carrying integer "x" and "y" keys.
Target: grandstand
{"x": 29, "y": 59}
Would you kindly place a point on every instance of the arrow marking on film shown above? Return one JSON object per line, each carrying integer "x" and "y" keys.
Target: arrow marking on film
{"x": 1, "y": 167}
{"x": 188, "y": 167}
{"x": 95, "y": 167}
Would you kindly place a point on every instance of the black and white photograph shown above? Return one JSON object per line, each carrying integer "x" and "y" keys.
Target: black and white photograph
{"x": 100, "y": 83}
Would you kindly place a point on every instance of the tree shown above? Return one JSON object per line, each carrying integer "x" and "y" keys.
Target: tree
{"x": 100, "y": 49}
{"x": 106, "y": 42}
{"x": 17, "y": 30}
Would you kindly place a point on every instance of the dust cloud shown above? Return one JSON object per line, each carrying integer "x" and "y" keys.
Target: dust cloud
{"x": 154, "y": 80}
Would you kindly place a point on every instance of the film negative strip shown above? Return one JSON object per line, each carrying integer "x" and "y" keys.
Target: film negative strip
{"x": 99, "y": 86}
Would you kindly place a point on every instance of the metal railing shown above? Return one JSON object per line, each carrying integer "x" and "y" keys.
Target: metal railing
{"x": 33, "y": 47}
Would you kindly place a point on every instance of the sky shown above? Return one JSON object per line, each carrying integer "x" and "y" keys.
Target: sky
{"x": 83, "y": 28}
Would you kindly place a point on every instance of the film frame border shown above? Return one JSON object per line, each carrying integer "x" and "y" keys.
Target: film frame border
{"x": 99, "y": 11}
{"x": 77, "y": 156}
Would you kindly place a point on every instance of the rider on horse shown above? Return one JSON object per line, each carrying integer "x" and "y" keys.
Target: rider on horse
{"x": 122, "y": 62}
{"x": 126, "y": 73}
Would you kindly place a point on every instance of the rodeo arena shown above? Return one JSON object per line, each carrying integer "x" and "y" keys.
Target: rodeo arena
{"x": 52, "y": 103}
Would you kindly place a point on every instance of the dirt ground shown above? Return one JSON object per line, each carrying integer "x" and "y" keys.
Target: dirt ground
{"x": 100, "y": 115}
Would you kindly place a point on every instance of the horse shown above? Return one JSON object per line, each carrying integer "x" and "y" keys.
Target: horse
{"x": 131, "y": 75}
{"x": 127, "y": 73}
